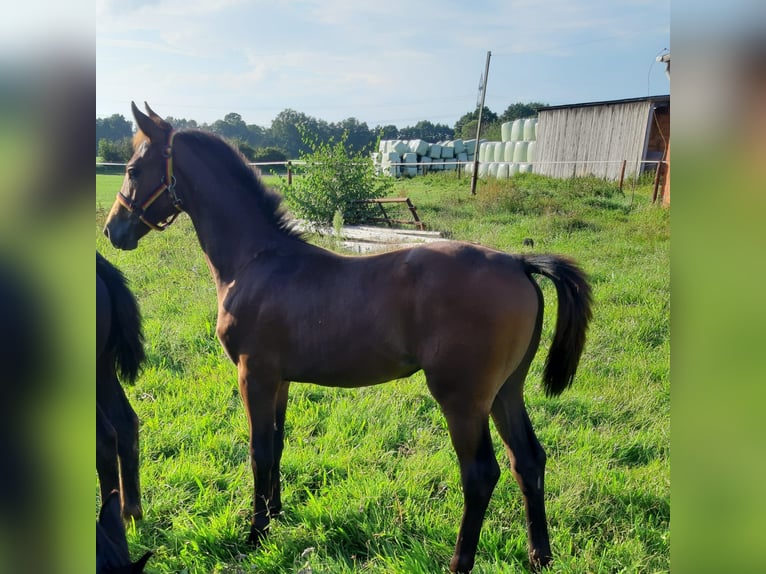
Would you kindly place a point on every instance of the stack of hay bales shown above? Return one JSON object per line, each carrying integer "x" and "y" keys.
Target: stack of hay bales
{"x": 514, "y": 154}
{"x": 415, "y": 157}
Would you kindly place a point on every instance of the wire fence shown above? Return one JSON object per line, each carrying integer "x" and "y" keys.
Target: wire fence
{"x": 631, "y": 172}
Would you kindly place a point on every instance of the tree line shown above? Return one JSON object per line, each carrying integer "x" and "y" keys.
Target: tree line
{"x": 287, "y": 136}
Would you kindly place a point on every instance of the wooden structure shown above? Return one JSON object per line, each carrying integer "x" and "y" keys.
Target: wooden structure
{"x": 384, "y": 214}
{"x": 599, "y": 138}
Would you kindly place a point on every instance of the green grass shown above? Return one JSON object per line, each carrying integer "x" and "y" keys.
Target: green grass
{"x": 370, "y": 479}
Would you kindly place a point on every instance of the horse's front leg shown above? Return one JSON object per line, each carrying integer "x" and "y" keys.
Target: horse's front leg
{"x": 259, "y": 393}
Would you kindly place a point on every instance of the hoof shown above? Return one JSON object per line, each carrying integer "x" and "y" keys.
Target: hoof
{"x": 460, "y": 564}
{"x": 132, "y": 511}
{"x": 256, "y": 536}
{"x": 539, "y": 561}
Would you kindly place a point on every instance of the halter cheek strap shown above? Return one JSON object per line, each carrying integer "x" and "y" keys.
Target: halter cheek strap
{"x": 167, "y": 183}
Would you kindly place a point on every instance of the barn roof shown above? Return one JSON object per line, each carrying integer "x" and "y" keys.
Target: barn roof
{"x": 661, "y": 99}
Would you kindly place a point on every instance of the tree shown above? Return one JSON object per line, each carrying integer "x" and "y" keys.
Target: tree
{"x": 332, "y": 179}
{"x": 115, "y": 151}
{"x": 358, "y": 136}
{"x": 286, "y": 131}
{"x": 487, "y": 117}
{"x": 521, "y": 110}
{"x": 231, "y": 127}
{"x": 181, "y": 123}
{"x": 113, "y": 128}
{"x": 428, "y": 131}
{"x": 387, "y": 132}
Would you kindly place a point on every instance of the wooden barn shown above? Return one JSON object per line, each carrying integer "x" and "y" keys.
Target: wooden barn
{"x": 602, "y": 138}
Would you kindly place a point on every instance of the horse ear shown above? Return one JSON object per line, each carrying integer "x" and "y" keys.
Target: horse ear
{"x": 153, "y": 126}
{"x": 155, "y": 118}
{"x": 138, "y": 565}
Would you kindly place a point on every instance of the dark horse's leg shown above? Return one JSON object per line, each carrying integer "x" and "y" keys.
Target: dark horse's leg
{"x": 524, "y": 450}
{"x": 527, "y": 463}
{"x": 275, "y": 503}
{"x": 111, "y": 398}
{"x": 468, "y": 425}
{"x": 127, "y": 446}
{"x": 259, "y": 394}
{"x": 106, "y": 455}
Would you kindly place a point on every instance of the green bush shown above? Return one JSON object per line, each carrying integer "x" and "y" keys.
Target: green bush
{"x": 331, "y": 181}
{"x": 266, "y": 154}
{"x": 115, "y": 151}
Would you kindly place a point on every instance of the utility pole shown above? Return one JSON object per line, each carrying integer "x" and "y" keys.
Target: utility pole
{"x": 475, "y": 172}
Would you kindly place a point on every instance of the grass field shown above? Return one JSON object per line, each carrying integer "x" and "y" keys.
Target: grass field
{"x": 370, "y": 480}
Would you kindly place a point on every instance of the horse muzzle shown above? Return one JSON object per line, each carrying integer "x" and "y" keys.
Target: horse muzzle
{"x": 121, "y": 236}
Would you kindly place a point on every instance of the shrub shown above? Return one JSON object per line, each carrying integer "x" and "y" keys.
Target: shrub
{"x": 115, "y": 151}
{"x": 266, "y": 154}
{"x": 332, "y": 180}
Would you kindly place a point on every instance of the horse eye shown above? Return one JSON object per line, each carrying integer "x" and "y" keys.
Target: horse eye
{"x": 132, "y": 172}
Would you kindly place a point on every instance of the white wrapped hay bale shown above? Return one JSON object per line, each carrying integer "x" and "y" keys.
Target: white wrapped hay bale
{"x": 383, "y": 146}
{"x": 520, "y": 152}
{"x": 482, "y": 151}
{"x": 530, "y": 129}
{"x": 426, "y": 164}
{"x": 462, "y": 157}
{"x": 502, "y": 171}
{"x": 437, "y": 164}
{"x": 482, "y": 170}
{"x": 459, "y": 147}
{"x": 525, "y": 168}
{"x": 492, "y": 169}
{"x": 400, "y": 146}
{"x": 499, "y": 155}
{"x": 531, "y": 151}
{"x": 470, "y": 146}
{"x": 419, "y": 147}
{"x": 508, "y": 155}
{"x": 517, "y": 130}
{"x": 513, "y": 169}
{"x": 448, "y": 150}
{"x": 435, "y": 151}
{"x": 505, "y": 131}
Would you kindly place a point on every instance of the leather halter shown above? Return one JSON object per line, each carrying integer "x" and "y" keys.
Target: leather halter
{"x": 167, "y": 183}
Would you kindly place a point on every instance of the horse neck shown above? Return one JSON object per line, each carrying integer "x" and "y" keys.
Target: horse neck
{"x": 230, "y": 222}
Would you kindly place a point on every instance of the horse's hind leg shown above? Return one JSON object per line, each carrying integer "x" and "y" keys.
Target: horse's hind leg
{"x": 106, "y": 455}
{"x": 127, "y": 447}
{"x": 468, "y": 424}
{"x": 527, "y": 462}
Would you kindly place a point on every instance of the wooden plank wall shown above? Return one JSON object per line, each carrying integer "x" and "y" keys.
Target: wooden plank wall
{"x": 592, "y": 140}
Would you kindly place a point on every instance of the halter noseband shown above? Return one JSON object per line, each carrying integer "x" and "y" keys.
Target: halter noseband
{"x": 167, "y": 183}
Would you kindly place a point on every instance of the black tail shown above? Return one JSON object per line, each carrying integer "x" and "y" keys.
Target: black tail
{"x": 574, "y": 314}
{"x": 126, "y": 335}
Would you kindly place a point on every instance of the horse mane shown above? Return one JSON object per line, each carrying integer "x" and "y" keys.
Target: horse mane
{"x": 138, "y": 138}
{"x": 269, "y": 201}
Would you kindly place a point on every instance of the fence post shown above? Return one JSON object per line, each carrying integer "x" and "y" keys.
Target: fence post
{"x": 289, "y": 173}
{"x": 622, "y": 173}
{"x": 656, "y": 181}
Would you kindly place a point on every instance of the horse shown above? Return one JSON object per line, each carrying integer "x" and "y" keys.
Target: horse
{"x": 112, "y": 554}
{"x": 119, "y": 349}
{"x": 468, "y": 316}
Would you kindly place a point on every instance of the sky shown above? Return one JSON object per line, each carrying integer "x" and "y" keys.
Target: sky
{"x": 381, "y": 62}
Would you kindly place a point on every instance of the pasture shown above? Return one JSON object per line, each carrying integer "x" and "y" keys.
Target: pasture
{"x": 378, "y": 490}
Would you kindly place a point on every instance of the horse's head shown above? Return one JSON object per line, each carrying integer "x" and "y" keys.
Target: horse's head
{"x": 147, "y": 199}
{"x": 112, "y": 556}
